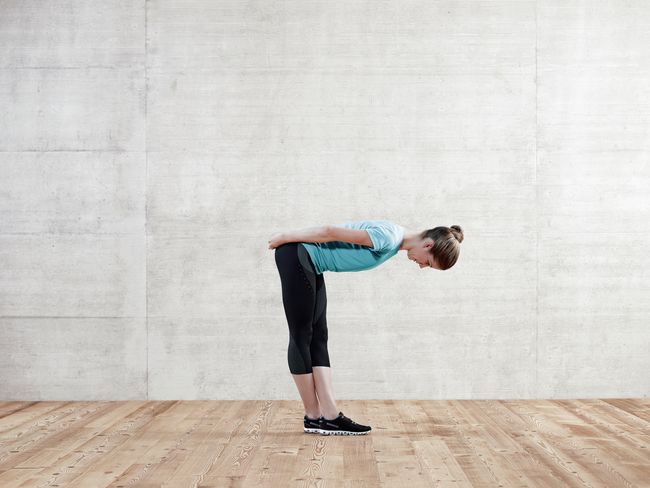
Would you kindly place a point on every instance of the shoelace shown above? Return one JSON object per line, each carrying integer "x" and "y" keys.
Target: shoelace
{"x": 344, "y": 417}
{"x": 349, "y": 419}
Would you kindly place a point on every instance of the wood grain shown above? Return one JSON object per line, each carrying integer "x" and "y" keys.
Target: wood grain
{"x": 414, "y": 443}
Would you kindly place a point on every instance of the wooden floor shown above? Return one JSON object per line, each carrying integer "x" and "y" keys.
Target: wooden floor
{"x": 485, "y": 443}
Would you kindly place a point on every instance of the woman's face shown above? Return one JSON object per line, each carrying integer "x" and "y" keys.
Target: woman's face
{"x": 421, "y": 254}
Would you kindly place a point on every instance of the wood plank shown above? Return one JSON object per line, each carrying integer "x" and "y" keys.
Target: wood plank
{"x": 165, "y": 429}
{"x": 431, "y": 450}
{"x": 192, "y": 454}
{"x": 47, "y": 431}
{"x": 67, "y": 443}
{"x": 569, "y": 452}
{"x": 90, "y": 453}
{"x": 455, "y": 443}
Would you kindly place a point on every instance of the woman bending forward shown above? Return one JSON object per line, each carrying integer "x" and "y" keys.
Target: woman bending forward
{"x": 302, "y": 256}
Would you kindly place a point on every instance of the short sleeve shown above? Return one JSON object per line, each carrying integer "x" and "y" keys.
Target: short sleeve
{"x": 381, "y": 238}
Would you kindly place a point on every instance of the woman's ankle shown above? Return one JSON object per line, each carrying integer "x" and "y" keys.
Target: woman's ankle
{"x": 330, "y": 415}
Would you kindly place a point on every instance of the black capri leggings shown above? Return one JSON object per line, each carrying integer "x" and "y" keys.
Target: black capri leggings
{"x": 305, "y": 301}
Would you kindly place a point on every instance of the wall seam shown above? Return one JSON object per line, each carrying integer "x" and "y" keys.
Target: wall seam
{"x": 146, "y": 204}
{"x": 536, "y": 219}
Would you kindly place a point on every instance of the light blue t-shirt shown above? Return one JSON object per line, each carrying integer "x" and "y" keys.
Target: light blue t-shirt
{"x": 339, "y": 256}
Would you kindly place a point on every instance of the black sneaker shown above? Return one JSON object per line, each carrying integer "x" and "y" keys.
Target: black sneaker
{"x": 342, "y": 425}
{"x": 312, "y": 426}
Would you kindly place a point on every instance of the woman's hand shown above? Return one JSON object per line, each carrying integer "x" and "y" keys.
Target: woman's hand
{"x": 276, "y": 240}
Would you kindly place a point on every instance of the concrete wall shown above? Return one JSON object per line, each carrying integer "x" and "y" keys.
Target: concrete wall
{"x": 149, "y": 149}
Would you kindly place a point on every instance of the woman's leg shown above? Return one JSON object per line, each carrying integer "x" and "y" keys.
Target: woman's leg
{"x": 305, "y": 384}
{"x": 299, "y": 300}
{"x": 320, "y": 357}
{"x": 323, "y": 383}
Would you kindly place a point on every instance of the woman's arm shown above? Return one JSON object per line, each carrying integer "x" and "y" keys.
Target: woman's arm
{"x": 325, "y": 233}
{"x": 355, "y": 236}
{"x": 309, "y": 234}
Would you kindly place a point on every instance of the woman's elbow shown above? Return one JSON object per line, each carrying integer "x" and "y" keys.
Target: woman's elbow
{"x": 326, "y": 232}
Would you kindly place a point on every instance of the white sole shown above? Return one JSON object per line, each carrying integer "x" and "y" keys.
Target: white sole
{"x": 342, "y": 432}
{"x": 311, "y": 431}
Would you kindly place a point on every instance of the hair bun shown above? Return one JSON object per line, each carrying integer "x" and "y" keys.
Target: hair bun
{"x": 457, "y": 232}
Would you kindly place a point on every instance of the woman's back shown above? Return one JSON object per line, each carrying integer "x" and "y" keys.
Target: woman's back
{"x": 339, "y": 256}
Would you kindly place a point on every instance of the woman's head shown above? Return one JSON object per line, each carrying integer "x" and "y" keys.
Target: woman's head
{"x": 438, "y": 247}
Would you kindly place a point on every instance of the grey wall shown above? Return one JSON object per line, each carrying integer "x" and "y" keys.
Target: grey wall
{"x": 149, "y": 149}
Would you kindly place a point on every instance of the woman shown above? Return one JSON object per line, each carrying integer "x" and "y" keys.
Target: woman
{"x": 302, "y": 256}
